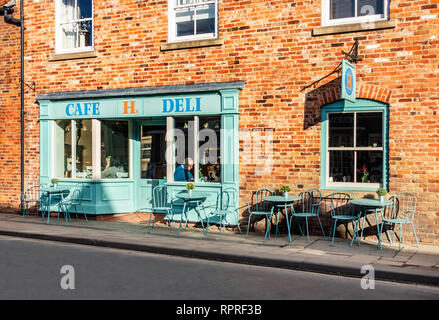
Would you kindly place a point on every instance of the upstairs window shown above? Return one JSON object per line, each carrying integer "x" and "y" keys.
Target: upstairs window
{"x": 74, "y": 26}
{"x": 193, "y": 20}
{"x": 336, "y": 12}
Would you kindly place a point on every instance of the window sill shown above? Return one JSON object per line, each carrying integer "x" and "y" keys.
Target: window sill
{"x": 354, "y": 27}
{"x": 71, "y": 56}
{"x": 191, "y": 44}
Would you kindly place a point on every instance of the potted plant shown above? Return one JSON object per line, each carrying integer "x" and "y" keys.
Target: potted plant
{"x": 54, "y": 182}
{"x": 189, "y": 187}
{"x": 285, "y": 189}
{"x": 381, "y": 192}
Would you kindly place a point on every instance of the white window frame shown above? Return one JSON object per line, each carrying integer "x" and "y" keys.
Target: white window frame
{"x": 326, "y": 21}
{"x": 96, "y": 150}
{"x": 58, "y": 30}
{"x": 172, "y": 30}
{"x": 355, "y": 149}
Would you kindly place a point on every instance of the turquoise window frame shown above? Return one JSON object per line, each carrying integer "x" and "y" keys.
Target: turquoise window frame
{"x": 347, "y": 106}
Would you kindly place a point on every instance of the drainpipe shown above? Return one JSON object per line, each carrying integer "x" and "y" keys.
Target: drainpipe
{"x": 6, "y": 10}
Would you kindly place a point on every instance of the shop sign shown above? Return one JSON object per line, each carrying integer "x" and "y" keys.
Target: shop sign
{"x": 83, "y": 109}
{"x": 181, "y": 105}
{"x": 348, "y": 80}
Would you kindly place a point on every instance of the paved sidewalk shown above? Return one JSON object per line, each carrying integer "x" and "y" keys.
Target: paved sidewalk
{"x": 408, "y": 265}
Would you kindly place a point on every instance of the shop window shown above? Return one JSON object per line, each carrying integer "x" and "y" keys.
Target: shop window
{"x": 197, "y": 148}
{"x": 353, "y": 11}
{"x": 74, "y": 25}
{"x": 73, "y": 149}
{"x": 354, "y": 151}
{"x": 77, "y": 155}
{"x": 193, "y": 20}
{"x": 114, "y": 149}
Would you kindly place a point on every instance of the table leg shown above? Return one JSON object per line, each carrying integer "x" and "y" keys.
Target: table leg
{"x": 288, "y": 223}
{"x": 201, "y": 220}
{"x": 378, "y": 229}
{"x": 181, "y": 217}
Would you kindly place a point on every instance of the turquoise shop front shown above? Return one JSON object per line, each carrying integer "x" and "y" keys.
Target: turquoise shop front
{"x": 116, "y": 145}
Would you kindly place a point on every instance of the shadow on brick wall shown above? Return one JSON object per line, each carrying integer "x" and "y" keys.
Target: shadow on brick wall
{"x": 318, "y": 97}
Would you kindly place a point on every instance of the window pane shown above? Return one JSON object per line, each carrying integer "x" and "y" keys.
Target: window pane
{"x": 152, "y": 153}
{"x": 184, "y": 149}
{"x": 370, "y": 129}
{"x": 370, "y": 7}
{"x": 84, "y": 149}
{"x": 67, "y": 10}
{"x": 114, "y": 149}
{"x": 370, "y": 166}
{"x": 84, "y": 9}
{"x": 206, "y": 19}
{"x": 341, "y": 166}
{"x": 69, "y": 35}
{"x": 209, "y": 149}
{"x": 185, "y": 22}
{"x": 342, "y": 9}
{"x": 85, "y": 33}
{"x": 341, "y": 129}
{"x": 63, "y": 149}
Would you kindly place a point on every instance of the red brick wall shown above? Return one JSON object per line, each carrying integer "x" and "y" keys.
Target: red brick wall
{"x": 269, "y": 45}
{"x": 9, "y": 116}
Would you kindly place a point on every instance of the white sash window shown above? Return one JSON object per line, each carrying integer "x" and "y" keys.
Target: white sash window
{"x": 74, "y": 26}
{"x": 335, "y": 12}
{"x": 192, "y": 20}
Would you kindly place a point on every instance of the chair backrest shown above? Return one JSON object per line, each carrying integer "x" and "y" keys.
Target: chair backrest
{"x": 32, "y": 193}
{"x": 341, "y": 206}
{"x": 75, "y": 195}
{"x": 257, "y": 199}
{"x": 405, "y": 206}
{"x": 311, "y": 199}
{"x": 160, "y": 197}
{"x": 226, "y": 199}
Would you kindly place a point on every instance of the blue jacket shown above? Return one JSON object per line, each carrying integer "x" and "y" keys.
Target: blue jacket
{"x": 181, "y": 174}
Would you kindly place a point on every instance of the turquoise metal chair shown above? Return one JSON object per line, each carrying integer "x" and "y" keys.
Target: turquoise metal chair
{"x": 404, "y": 209}
{"x": 225, "y": 207}
{"x": 49, "y": 199}
{"x": 343, "y": 211}
{"x": 160, "y": 205}
{"x": 29, "y": 196}
{"x": 310, "y": 205}
{"x": 74, "y": 201}
{"x": 258, "y": 207}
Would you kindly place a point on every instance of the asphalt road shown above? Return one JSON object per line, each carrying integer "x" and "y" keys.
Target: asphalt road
{"x": 33, "y": 269}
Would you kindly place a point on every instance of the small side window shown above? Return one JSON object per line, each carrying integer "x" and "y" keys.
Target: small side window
{"x": 336, "y": 12}
{"x": 192, "y": 20}
{"x": 74, "y": 26}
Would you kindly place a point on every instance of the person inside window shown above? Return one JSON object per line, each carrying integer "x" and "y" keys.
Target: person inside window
{"x": 183, "y": 173}
{"x": 112, "y": 168}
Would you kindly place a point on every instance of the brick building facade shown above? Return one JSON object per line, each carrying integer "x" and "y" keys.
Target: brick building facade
{"x": 278, "y": 49}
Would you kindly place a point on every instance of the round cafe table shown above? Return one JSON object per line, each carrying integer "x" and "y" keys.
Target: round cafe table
{"x": 53, "y": 196}
{"x": 375, "y": 205}
{"x": 195, "y": 198}
{"x": 280, "y": 202}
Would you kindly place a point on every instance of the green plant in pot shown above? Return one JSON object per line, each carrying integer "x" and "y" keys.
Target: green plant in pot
{"x": 189, "y": 187}
{"x": 285, "y": 189}
{"x": 54, "y": 182}
{"x": 381, "y": 192}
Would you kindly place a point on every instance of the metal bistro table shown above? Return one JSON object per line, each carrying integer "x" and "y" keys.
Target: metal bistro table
{"x": 53, "y": 197}
{"x": 280, "y": 202}
{"x": 371, "y": 204}
{"x": 197, "y": 198}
